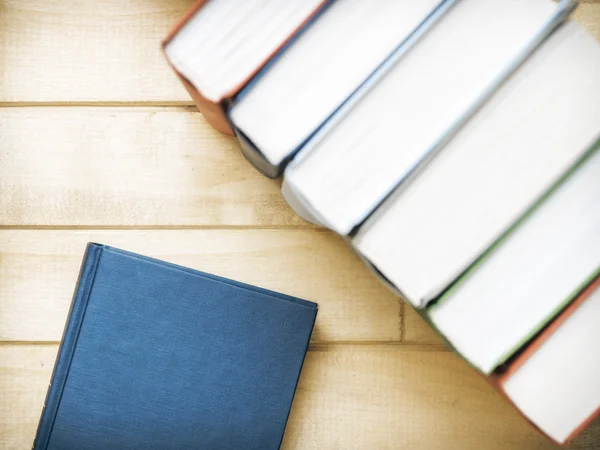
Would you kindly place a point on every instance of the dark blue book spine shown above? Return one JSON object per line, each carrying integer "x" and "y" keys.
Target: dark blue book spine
{"x": 310, "y": 332}
{"x": 68, "y": 343}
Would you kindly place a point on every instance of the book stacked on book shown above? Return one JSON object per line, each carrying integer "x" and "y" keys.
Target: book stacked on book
{"x": 454, "y": 144}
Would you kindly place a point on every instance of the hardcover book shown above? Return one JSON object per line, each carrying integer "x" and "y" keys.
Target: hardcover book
{"x": 532, "y": 131}
{"x": 159, "y": 356}
{"x": 333, "y": 57}
{"x": 413, "y": 106}
{"x": 529, "y": 274}
{"x": 554, "y": 382}
{"x": 220, "y": 45}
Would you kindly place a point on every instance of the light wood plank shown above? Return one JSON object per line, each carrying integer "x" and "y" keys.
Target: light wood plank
{"x": 349, "y": 397}
{"x": 588, "y": 15}
{"x": 83, "y": 51}
{"x": 417, "y": 331}
{"x": 91, "y": 166}
{"x": 38, "y": 271}
{"x": 86, "y": 51}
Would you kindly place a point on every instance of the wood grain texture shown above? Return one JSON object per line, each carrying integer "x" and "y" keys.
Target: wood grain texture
{"x": 349, "y": 397}
{"x": 96, "y": 166}
{"x": 38, "y": 271}
{"x": 87, "y": 163}
{"x": 418, "y": 332}
{"x": 85, "y": 51}
{"x": 588, "y": 15}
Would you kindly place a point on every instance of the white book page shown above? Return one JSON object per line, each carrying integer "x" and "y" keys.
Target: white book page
{"x": 361, "y": 159}
{"x": 321, "y": 69}
{"x": 528, "y": 276}
{"x": 536, "y": 126}
{"x": 227, "y": 40}
{"x": 558, "y": 387}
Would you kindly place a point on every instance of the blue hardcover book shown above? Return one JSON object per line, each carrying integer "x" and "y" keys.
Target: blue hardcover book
{"x": 157, "y": 356}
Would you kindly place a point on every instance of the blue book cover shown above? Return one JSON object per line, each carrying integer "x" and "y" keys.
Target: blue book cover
{"x": 157, "y": 356}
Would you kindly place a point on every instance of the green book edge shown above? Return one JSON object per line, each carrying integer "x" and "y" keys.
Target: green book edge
{"x": 461, "y": 279}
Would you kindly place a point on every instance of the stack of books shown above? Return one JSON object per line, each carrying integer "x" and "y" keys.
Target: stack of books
{"x": 455, "y": 146}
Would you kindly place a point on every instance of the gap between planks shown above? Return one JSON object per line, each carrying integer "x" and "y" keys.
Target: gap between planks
{"x": 287, "y": 227}
{"x": 174, "y": 104}
{"x": 313, "y": 346}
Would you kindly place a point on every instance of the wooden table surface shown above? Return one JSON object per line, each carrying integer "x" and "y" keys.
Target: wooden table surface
{"x": 99, "y": 142}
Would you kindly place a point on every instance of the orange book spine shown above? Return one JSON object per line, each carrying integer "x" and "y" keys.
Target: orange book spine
{"x": 215, "y": 112}
{"x": 499, "y": 380}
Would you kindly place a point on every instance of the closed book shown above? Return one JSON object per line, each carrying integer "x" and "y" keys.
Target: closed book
{"x": 159, "y": 356}
{"x": 533, "y": 129}
{"x": 554, "y": 381}
{"x": 220, "y": 45}
{"x": 334, "y": 57}
{"x": 414, "y": 104}
{"x": 528, "y": 276}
